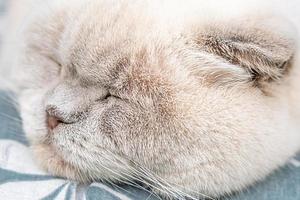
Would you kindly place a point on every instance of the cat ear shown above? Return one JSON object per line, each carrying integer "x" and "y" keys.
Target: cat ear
{"x": 262, "y": 48}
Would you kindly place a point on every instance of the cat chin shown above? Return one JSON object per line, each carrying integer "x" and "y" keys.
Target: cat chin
{"x": 53, "y": 163}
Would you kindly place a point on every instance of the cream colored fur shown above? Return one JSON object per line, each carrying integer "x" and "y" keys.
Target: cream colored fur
{"x": 153, "y": 91}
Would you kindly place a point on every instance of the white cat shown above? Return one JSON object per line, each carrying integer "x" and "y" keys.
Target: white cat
{"x": 193, "y": 98}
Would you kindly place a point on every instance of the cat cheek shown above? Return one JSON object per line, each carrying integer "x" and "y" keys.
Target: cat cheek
{"x": 32, "y": 114}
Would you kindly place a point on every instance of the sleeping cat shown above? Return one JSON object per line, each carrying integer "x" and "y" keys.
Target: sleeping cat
{"x": 192, "y": 98}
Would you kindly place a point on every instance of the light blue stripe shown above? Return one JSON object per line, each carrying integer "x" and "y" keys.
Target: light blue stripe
{"x": 11, "y": 176}
{"x": 96, "y": 193}
{"x": 70, "y": 190}
{"x": 55, "y": 193}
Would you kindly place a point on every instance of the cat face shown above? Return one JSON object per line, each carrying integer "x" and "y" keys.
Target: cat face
{"x": 112, "y": 95}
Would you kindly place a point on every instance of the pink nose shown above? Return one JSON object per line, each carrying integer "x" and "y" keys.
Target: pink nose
{"x": 52, "y": 122}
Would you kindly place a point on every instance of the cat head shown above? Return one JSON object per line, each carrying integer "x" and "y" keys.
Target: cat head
{"x": 108, "y": 94}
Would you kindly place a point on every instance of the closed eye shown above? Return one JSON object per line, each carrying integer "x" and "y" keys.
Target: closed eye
{"x": 110, "y": 95}
{"x": 107, "y": 95}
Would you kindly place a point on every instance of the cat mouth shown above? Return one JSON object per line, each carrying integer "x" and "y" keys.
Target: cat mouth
{"x": 50, "y": 160}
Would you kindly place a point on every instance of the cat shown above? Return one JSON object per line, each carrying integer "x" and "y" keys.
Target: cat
{"x": 192, "y": 98}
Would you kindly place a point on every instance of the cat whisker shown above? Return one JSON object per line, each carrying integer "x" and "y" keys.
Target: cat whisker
{"x": 162, "y": 184}
{"x": 126, "y": 178}
{"x": 9, "y": 101}
{"x": 167, "y": 189}
{"x": 137, "y": 175}
{"x": 9, "y": 97}
{"x": 15, "y": 119}
{"x": 150, "y": 195}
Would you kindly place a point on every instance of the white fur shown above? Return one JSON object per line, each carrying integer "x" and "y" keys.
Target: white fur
{"x": 221, "y": 139}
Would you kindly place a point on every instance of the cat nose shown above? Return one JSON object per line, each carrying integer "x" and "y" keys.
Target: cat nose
{"x": 52, "y": 122}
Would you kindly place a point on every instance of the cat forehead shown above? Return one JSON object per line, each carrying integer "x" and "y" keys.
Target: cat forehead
{"x": 112, "y": 28}
{"x": 108, "y": 64}
{"x": 105, "y": 45}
